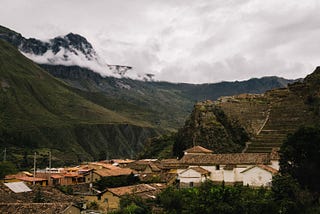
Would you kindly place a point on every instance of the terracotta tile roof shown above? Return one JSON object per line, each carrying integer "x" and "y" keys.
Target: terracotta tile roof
{"x": 122, "y": 161}
{"x": 102, "y": 165}
{"x": 265, "y": 167}
{"x": 199, "y": 169}
{"x": 169, "y": 161}
{"x": 172, "y": 164}
{"x": 198, "y": 149}
{"x": 30, "y": 179}
{"x": 56, "y": 176}
{"x": 140, "y": 189}
{"x": 115, "y": 171}
{"x": 224, "y": 159}
{"x": 141, "y": 165}
{"x": 19, "y": 174}
{"x": 269, "y": 169}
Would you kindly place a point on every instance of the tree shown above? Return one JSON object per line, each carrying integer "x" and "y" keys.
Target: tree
{"x": 38, "y": 198}
{"x": 131, "y": 204}
{"x": 300, "y": 158}
{"x": 6, "y": 168}
{"x": 116, "y": 181}
{"x": 286, "y": 192}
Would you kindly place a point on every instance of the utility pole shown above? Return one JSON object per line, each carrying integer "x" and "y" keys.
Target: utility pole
{"x": 194, "y": 140}
{"x": 5, "y": 155}
{"x": 34, "y": 168}
{"x": 49, "y": 181}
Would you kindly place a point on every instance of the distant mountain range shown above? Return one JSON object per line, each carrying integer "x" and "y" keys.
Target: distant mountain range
{"x": 83, "y": 115}
{"x": 250, "y": 123}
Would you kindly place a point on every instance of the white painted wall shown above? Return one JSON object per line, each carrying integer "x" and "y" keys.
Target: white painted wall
{"x": 257, "y": 177}
{"x": 229, "y": 175}
{"x": 238, "y": 177}
{"x": 215, "y": 175}
{"x": 190, "y": 175}
{"x": 253, "y": 177}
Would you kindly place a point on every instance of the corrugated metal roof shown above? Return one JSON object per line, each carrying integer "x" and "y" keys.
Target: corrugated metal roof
{"x": 18, "y": 187}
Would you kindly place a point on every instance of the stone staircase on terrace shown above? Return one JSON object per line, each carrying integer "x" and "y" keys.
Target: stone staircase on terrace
{"x": 285, "y": 115}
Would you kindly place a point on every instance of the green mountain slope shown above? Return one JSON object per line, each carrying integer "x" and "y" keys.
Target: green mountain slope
{"x": 39, "y": 111}
{"x": 165, "y": 105}
{"x": 162, "y": 104}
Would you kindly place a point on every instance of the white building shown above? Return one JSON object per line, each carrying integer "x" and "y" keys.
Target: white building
{"x": 193, "y": 176}
{"x": 227, "y": 168}
{"x": 260, "y": 175}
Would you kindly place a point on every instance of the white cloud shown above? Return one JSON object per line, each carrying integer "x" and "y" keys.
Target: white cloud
{"x": 184, "y": 40}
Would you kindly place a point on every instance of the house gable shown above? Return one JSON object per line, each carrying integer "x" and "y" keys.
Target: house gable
{"x": 259, "y": 175}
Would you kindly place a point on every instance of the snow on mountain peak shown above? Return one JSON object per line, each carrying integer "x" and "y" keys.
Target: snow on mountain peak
{"x": 68, "y": 50}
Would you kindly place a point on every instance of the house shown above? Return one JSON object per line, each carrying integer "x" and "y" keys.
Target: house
{"x": 171, "y": 165}
{"x": 71, "y": 179}
{"x": 193, "y": 176}
{"x": 225, "y": 168}
{"x": 145, "y": 166}
{"x": 14, "y": 177}
{"x": 26, "y": 177}
{"x": 100, "y": 170}
{"x": 109, "y": 200}
{"x": 259, "y": 175}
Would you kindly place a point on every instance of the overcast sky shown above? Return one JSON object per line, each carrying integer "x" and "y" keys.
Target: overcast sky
{"x": 193, "y": 41}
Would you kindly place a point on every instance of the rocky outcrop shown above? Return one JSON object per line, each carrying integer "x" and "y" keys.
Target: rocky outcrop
{"x": 210, "y": 127}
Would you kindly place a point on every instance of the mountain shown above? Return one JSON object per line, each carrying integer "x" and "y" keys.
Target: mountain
{"x": 39, "y": 112}
{"x": 252, "y": 122}
{"x": 165, "y": 105}
{"x": 70, "y": 49}
{"x": 90, "y": 115}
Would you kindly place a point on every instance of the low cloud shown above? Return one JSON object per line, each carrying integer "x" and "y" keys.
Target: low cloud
{"x": 184, "y": 40}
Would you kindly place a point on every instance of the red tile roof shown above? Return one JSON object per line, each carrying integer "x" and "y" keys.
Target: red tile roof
{"x": 199, "y": 169}
{"x": 30, "y": 179}
{"x": 137, "y": 189}
{"x": 224, "y": 159}
{"x": 116, "y": 171}
{"x": 54, "y": 176}
{"x": 264, "y": 167}
{"x": 198, "y": 149}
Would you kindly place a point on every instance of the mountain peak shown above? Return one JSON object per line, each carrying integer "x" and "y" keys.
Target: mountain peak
{"x": 69, "y": 50}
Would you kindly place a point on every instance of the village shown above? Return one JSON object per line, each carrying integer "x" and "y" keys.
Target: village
{"x": 149, "y": 176}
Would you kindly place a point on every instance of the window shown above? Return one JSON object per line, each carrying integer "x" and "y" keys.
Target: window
{"x": 191, "y": 184}
{"x": 217, "y": 167}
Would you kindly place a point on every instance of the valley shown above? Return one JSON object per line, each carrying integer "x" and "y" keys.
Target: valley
{"x": 81, "y": 115}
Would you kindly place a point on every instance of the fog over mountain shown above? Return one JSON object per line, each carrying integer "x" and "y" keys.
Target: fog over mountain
{"x": 182, "y": 40}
